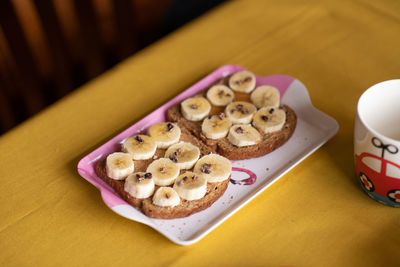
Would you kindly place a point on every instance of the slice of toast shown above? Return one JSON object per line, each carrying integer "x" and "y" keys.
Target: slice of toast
{"x": 185, "y": 208}
{"x": 222, "y": 146}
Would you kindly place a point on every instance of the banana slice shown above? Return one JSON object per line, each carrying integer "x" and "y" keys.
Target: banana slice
{"x": 139, "y": 184}
{"x": 220, "y": 95}
{"x": 165, "y": 134}
{"x": 183, "y": 154}
{"x": 242, "y": 81}
{"x": 215, "y": 127}
{"x": 269, "y": 119}
{"x": 166, "y": 197}
{"x": 240, "y": 112}
{"x": 119, "y": 165}
{"x": 214, "y": 168}
{"x": 265, "y": 96}
{"x": 190, "y": 186}
{"x": 195, "y": 108}
{"x": 164, "y": 171}
{"x": 140, "y": 147}
{"x": 243, "y": 135}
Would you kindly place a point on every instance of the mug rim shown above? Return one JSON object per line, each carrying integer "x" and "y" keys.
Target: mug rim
{"x": 372, "y": 130}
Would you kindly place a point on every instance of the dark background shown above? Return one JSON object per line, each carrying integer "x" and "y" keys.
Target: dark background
{"x": 50, "y": 47}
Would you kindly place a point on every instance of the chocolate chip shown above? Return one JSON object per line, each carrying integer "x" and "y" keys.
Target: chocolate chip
{"x": 163, "y": 170}
{"x": 233, "y": 111}
{"x": 247, "y": 79}
{"x": 148, "y": 175}
{"x": 170, "y": 126}
{"x": 173, "y": 158}
{"x": 228, "y": 94}
{"x": 178, "y": 151}
{"x": 205, "y": 168}
{"x": 193, "y": 106}
{"x": 139, "y": 179}
{"x": 240, "y": 106}
{"x": 195, "y": 177}
{"x": 221, "y": 93}
{"x": 185, "y": 178}
{"x": 139, "y": 139}
{"x": 221, "y": 115}
{"x": 271, "y": 111}
{"x": 209, "y": 117}
{"x": 138, "y": 175}
{"x": 245, "y": 111}
{"x": 264, "y": 118}
{"x": 239, "y": 130}
{"x": 167, "y": 195}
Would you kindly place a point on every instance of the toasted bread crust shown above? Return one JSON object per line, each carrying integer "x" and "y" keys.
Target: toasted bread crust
{"x": 223, "y": 147}
{"x": 117, "y": 185}
{"x": 185, "y": 208}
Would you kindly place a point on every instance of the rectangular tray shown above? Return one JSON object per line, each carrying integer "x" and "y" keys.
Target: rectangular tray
{"x": 249, "y": 177}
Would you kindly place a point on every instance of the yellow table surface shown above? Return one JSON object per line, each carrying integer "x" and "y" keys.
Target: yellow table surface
{"x": 316, "y": 215}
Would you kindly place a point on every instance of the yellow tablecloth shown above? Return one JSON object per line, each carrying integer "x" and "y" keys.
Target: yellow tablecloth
{"x": 316, "y": 215}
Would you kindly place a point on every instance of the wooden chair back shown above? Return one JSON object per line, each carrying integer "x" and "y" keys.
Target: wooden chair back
{"x": 24, "y": 89}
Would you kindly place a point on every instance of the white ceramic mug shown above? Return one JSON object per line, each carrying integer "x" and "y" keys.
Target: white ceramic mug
{"x": 377, "y": 142}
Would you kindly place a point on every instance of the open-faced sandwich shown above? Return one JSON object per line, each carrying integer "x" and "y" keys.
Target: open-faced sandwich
{"x": 167, "y": 173}
{"x": 235, "y": 118}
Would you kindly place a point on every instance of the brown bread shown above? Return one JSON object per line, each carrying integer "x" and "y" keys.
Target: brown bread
{"x": 185, "y": 208}
{"x": 223, "y": 147}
